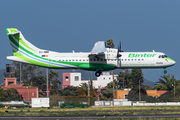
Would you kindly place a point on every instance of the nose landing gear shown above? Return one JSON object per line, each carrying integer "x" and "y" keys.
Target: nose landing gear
{"x": 165, "y": 70}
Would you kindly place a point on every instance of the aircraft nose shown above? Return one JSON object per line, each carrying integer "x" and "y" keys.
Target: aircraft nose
{"x": 173, "y": 62}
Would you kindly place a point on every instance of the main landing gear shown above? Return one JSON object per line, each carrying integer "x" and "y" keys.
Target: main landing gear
{"x": 98, "y": 73}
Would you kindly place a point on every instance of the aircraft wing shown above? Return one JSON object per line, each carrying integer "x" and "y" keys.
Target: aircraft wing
{"x": 98, "y": 49}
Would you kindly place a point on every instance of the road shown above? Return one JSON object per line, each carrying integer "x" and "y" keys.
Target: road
{"x": 86, "y": 117}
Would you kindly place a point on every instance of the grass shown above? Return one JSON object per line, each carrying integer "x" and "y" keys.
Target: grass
{"x": 120, "y": 108}
{"x": 130, "y": 110}
{"x": 85, "y": 114}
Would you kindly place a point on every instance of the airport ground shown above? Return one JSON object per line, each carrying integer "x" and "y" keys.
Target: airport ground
{"x": 123, "y": 112}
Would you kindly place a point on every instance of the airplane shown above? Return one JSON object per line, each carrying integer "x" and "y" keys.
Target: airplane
{"x": 99, "y": 59}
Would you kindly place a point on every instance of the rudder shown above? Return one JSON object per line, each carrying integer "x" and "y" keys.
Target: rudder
{"x": 19, "y": 43}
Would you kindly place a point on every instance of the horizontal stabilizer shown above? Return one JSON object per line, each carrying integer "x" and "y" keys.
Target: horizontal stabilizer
{"x": 99, "y": 48}
{"x": 14, "y": 58}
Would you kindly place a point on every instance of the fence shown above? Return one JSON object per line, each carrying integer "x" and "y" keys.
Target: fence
{"x": 132, "y": 103}
{"x": 55, "y": 99}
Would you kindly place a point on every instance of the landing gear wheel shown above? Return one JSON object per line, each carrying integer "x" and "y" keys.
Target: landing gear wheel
{"x": 97, "y": 74}
{"x": 165, "y": 71}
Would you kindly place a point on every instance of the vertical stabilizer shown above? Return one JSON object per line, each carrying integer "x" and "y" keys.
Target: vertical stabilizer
{"x": 19, "y": 43}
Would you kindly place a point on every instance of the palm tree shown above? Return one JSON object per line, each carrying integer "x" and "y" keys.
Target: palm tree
{"x": 85, "y": 87}
{"x": 167, "y": 80}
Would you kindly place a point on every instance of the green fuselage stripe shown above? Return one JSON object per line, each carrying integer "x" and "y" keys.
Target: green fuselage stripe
{"x": 86, "y": 66}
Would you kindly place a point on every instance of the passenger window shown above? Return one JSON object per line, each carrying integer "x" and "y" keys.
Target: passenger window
{"x": 90, "y": 59}
{"x": 131, "y": 59}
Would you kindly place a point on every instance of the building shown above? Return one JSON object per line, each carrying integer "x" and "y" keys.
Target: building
{"x": 121, "y": 94}
{"x": 26, "y": 92}
{"x": 74, "y": 79}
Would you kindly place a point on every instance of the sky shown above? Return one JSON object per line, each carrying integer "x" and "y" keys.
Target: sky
{"x": 66, "y": 25}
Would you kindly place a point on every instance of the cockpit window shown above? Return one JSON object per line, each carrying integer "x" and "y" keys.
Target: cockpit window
{"x": 163, "y": 56}
{"x": 160, "y": 56}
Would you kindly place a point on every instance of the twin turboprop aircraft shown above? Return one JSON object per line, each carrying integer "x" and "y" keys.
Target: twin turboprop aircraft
{"x": 99, "y": 59}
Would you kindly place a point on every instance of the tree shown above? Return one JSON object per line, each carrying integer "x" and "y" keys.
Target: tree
{"x": 39, "y": 81}
{"x": 168, "y": 81}
{"x": 160, "y": 87}
{"x": 133, "y": 95}
{"x": 53, "y": 77}
{"x": 92, "y": 91}
{"x": 81, "y": 91}
{"x": 136, "y": 75}
{"x": 110, "y": 84}
{"x": 110, "y": 43}
{"x": 85, "y": 87}
{"x": 124, "y": 79}
{"x": 69, "y": 91}
{"x": 9, "y": 94}
{"x": 27, "y": 72}
{"x": 108, "y": 93}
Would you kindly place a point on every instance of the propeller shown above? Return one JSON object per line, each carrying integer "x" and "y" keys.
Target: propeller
{"x": 119, "y": 55}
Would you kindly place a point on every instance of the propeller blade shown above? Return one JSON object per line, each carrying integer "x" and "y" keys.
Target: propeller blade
{"x": 120, "y": 47}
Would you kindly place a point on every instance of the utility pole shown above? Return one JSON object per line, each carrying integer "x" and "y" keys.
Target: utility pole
{"x": 20, "y": 73}
{"x": 123, "y": 78}
{"x": 98, "y": 91}
{"x": 88, "y": 92}
{"x": 47, "y": 81}
{"x": 174, "y": 89}
{"x": 28, "y": 92}
{"x": 139, "y": 91}
{"x": 113, "y": 82}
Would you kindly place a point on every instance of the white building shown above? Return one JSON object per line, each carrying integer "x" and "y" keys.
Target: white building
{"x": 74, "y": 79}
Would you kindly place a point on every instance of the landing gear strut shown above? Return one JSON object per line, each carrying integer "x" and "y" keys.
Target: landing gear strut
{"x": 165, "y": 71}
{"x": 98, "y": 73}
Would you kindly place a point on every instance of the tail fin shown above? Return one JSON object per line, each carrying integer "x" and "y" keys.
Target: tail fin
{"x": 19, "y": 43}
